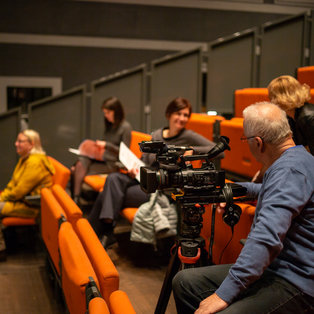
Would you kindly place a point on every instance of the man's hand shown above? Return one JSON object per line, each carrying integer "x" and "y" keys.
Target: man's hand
{"x": 133, "y": 172}
{"x": 212, "y": 304}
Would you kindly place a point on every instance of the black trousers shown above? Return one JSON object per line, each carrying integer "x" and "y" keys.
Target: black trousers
{"x": 120, "y": 191}
{"x": 269, "y": 294}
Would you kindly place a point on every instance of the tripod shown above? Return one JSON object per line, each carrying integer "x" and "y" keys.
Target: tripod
{"x": 187, "y": 251}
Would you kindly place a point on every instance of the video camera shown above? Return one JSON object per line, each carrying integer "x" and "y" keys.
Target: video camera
{"x": 191, "y": 186}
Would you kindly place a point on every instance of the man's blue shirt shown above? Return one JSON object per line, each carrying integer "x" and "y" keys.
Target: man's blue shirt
{"x": 282, "y": 233}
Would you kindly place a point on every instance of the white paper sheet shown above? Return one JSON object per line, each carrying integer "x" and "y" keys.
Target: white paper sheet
{"x": 129, "y": 160}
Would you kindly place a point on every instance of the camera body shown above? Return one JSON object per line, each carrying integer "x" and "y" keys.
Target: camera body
{"x": 190, "y": 186}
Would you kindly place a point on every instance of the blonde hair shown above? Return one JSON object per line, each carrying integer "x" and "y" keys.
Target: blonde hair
{"x": 34, "y": 138}
{"x": 288, "y": 93}
{"x": 267, "y": 121}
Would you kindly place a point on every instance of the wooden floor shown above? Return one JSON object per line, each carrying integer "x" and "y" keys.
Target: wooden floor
{"x": 27, "y": 286}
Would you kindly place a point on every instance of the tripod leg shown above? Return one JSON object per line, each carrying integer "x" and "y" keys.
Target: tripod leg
{"x": 165, "y": 292}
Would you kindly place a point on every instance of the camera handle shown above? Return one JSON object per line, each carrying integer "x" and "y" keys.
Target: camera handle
{"x": 187, "y": 252}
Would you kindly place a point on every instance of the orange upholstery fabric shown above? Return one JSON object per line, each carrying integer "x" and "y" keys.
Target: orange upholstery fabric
{"x": 306, "y": 75}
{"x": 18, "y": 221}
{"x": 97, "y": 182}
{"x": 120, "y": 303}
{"x": 129, "y": 213}
{"x": 223, "y": 233}
{"x": 51, "y": 212}
{"x": 98, "y": 306}
{"x": 72, "y": 211}
{"x": 247, "y": 96}
{"x": 239, "y": 159}
{"x": 62, "y": 174}
{"x": 203, "y": 124}
{"x": 75, "y": 269}
{"x": 105, "y": 270}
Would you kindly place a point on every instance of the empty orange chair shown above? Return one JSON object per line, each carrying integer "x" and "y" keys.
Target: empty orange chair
{"x": 222, "y": 234}
{"x": 203, "y": 124}
{"x": 73, "y": 212}
{"x": 306, "y": 75}
{"x": 239, "y": 159}
{"x": 52, "y": 216}
{"x": 76, "y": 269}
{"x": 96, "y": 182}
{"x": 119, "y": 303}
{"x": 248, "y": 96}
{"x": 62, "y": 174}
{"x": 105, "y": 270}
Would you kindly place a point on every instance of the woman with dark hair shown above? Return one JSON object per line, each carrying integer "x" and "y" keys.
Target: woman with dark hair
{"x": 122, "y": 190}
{"x": 101, "y": 156}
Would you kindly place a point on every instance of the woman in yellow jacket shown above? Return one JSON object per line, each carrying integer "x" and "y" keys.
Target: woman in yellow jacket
{"x": 32, "y": 173}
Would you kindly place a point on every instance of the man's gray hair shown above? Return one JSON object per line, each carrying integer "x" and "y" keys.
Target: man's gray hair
{"x": 267, "y": 121}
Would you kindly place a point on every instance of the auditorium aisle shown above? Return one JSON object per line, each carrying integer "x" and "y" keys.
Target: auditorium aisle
{"x": 27, "y": 287}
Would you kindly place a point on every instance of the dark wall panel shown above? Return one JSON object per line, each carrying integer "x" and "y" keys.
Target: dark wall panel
{"x": 281, "y": 49}
{"x": 61, "y": 123}
{"x": 179, "y": 75}
{"x": 230, "y": 67}
{"x": 9, "y": 129}
{"x": 130, "y": 88}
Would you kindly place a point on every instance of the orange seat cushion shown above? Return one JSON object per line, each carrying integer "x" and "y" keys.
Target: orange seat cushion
{"x": 96, "y": 181}
{"x": 129, "y": 213}
{"x": 18, "y": 221}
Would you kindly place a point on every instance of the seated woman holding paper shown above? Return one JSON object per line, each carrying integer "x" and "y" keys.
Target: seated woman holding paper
{"x": 100, "y": 157}
{"x": 123, "y": 190}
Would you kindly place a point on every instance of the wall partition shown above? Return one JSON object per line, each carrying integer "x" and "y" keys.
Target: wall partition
{"x": 283, "y": 45}
{"x": 173, "y": 76}
{"x": 130, "y": 87}
{"x": 231, "y": 66}
{"x": 61, "y": 122}
{"x": 9, "y": 129}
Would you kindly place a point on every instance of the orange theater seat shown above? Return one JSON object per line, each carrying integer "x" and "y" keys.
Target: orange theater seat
{"x": 222, "y": 234}
{"x": 52, "y": 215}
{"x": 129, "y": 213}
{"x": 62, "y": 174}
{"x": 105, "y": 270}
{"x": 98, "y": 305}
{"x": 73, "y": 212}
{"x": 18, "y": 221}
{"x": 97, "y": 182}
{"x": 248, "y": 96}
{"x": 76, "y": 269}
{"x": 203, "y": 124}
{"x": 311, "y": 101}
{"x": 306, "y": 75}
{"x": 119, "y": 303}
{"x": 239, "y": 159}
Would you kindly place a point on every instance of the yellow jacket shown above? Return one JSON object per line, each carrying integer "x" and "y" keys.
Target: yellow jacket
{"x": 29, "y": 177}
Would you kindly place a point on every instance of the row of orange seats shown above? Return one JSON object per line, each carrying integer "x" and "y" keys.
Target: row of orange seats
{"x": 82, "y": 268}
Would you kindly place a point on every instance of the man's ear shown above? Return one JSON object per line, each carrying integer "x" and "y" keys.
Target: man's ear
{"x": 260, "y": 144}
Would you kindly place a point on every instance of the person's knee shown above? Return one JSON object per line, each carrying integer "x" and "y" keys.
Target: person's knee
{"x": 182, "y": 278}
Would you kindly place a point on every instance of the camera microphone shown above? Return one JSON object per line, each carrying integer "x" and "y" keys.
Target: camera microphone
{"x": 220, "y": 147}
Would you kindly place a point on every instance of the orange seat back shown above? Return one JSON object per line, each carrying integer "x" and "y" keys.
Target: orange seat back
{"x": 222, "y": 234}
{"x": 75, "y": 269}
{"x": 203, "y": 124}
{"x": 18, "y": 221}
{"x": 120, "y": 303}
{"x": 98, "y": 305}
{"x": 72, "y": 211}
{"x": 62, "y": 173}
{"x": 248, "y": 96}
{"x": 106, "y": 272}
{"x": 136, "y": 138}
{"x": 239, "y": 159}
{"x": 306, "y": 75}
{"x": 51, "y": 217}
